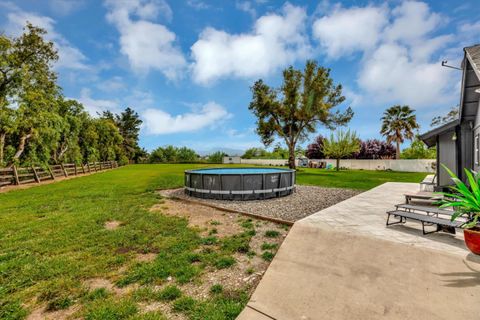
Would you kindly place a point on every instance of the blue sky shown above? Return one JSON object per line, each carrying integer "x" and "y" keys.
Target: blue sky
{"x": 187, "y": 66}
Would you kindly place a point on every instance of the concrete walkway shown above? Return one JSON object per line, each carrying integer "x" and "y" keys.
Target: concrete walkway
{"x": 343, "y": 263}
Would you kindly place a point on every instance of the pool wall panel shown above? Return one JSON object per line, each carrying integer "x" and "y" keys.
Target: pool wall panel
{"x": 246, "y": 186}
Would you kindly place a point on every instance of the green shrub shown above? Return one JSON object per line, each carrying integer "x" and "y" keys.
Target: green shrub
{"x": 272, "y": 234}
{"x": 111, "y": 309}
{"x": 170, "y": 293}
{"x": 216, "y": 289}
{"x": 224, "y": 262}
{"x": 144, "y": 294}
{"x": 59, "y": 304}
{"x": 236, "y": 243}
{"x": 267, "y": 256}
{"x": 155, "y": 315}
{"x": 209, "y": 240}
{"x": 269, "y": 246}
{"x": 12, "y": 310}
{"x": 250, "y": 270}
{"x": 184, "y": 304}
{"x": 99, "y": 293}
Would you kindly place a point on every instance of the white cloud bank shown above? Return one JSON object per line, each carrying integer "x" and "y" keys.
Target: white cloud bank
{"x": 275, "y": 41}
{"x": 70, "y": 57}
{"x": 96, "y": 106}
{"x": 400, "y": 55}
{"x": 146, "y": 44}
{"x": 158, "y": 122}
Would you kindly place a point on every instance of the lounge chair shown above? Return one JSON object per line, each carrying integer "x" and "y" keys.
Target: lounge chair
{"x": 427, "y": 216}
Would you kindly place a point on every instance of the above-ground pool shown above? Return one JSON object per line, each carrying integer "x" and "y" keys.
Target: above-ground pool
{"x": 239, "y": 183}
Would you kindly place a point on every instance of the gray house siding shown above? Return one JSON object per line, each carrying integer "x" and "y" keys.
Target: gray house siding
{"x": 458, "y": 142}
{"x": 447, "y": 155}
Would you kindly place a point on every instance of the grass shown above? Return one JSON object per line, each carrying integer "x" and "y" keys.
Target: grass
{"x": 354, "y": 179}
{"x": 53, "y": 239}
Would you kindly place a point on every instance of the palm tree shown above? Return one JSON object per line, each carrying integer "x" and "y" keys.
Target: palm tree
{"x": 398, "y": 124}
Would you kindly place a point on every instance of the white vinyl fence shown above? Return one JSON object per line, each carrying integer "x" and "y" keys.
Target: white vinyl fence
{"x": 414, "y": 165}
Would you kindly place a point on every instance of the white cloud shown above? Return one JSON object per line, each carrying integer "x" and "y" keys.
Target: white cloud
{"x": 146, "y": 44}
{"x": 113, "y": 84}
{"x": 65, "y": 7}
{"x": 159, "y": 122}
{"x": 198, "y": 4}
{"x": 391, "y": 75}
{"x": 412, "y": 21}
{"x": 70, "y": 57}
{"x": 96, "y": 106}
{"x": 275, "y": 41}
{"x": 246, "y": 6}
{"x": 401, "y": 52}
{"x": 347, "y": 30}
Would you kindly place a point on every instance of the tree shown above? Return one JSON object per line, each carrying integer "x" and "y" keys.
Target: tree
{"x": 7, "y": 121}
{"x": 343, "y": 145}
{"x": 216, "y": 157}
{"x": 450, "y": 116}
{"x": 375, "y": 149}
{"x": 315, "y": 149}
{"x": 29, "y": 55}
{"x": 185, "y": 154}
{"x": 398, "y": 124}
{"x": 129, "y": 123}
{"x": 419, "y": 150}
{"x": 292, "y": 111}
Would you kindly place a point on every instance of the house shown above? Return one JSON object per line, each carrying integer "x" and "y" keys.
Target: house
{"x": 457, "y": 142}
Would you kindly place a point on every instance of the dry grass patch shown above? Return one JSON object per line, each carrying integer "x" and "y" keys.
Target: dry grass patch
{"x": 112, "y": 225}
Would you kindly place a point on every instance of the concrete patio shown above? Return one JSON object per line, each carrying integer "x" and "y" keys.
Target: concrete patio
{"x": 344, "y": 263}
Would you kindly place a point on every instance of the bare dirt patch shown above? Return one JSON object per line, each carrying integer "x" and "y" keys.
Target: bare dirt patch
{"x": 305, "y": 201}
{"x": 112, "y": 225}
{"x": 249, "y": 268}
{"x": 145, "y": 257}
{"x": 202, "y": 217}
{"x": 42, "y": 314}
{"x": 98, "y": 283}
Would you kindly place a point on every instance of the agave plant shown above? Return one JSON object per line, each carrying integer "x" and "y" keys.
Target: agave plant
{"x": 464, "y": 199}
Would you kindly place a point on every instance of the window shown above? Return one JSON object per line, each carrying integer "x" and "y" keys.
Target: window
{"x": 477, "y": 149}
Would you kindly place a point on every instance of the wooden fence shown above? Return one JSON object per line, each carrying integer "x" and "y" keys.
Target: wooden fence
{"x": 23, "y": 175}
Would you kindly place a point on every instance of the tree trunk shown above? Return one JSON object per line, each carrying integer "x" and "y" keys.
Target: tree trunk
{"x": 338, "y": 165}
{"x": 397, "y": 153}
{"x": 21, "y": 146}
{"x": 2, "y": 147}
{"x": 291, "y": 157}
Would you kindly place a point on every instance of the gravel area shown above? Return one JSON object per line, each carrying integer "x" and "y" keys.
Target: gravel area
{"x": 304, "y": 202}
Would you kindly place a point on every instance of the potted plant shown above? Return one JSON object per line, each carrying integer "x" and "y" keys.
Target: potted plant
{"x": 465, "y": 200}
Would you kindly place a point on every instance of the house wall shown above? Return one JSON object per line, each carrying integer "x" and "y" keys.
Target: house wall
{"x": 447, "y": 155}
{"x": 476, "y": 132}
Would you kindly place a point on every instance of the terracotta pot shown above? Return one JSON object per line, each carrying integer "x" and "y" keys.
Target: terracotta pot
{"x": 472, "y": 239}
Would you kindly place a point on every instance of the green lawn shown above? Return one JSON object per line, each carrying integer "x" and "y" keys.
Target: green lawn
{"x": 52, "y": 238}
{"x": 354, "y": 179}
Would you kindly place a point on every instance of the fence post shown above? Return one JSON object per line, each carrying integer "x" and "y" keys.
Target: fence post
{"x": 95, "y": 166}
{"x": 75, "y": 166}
{"x": 64, "y": 171}
{"x": 83, "y": 168}
{"x": 35, "y": 175}
{"x": 100, "y": 166}
{"x": 88, "y": 167}
{"x": 15, "y": 174}
{"x": 51, "y": 172}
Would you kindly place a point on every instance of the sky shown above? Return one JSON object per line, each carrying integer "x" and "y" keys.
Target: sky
{"x": 187, "y": 66}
